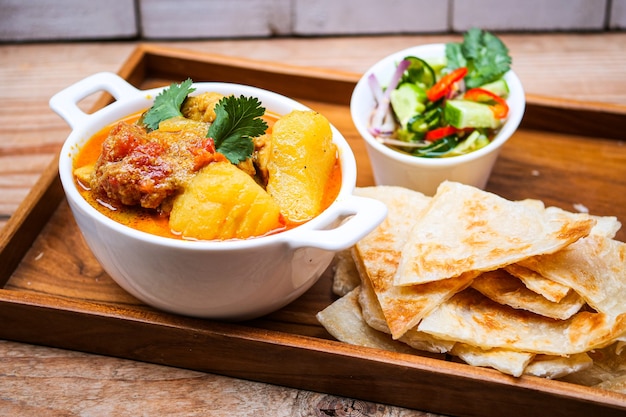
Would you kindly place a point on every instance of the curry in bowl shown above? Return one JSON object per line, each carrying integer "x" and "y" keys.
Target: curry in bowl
{"x": 210, "y": 167}
{"x": 240, "y": 242}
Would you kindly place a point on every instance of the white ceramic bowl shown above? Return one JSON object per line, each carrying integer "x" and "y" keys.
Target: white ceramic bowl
{"x": 391, "y": 167}
{"x": 234, "y": 280}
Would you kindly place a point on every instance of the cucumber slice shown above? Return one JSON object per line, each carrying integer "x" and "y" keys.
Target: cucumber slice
{"x": 464, "y": 113}
{"x": 438, "y": 149}
{"x": 498, "y": 87}
{"x": 421, "y": 123}
{"x": 406, "y": 101}
{"x": 437, "y": 63}
{"x": 474, "y": 141}
{"x": 419, "y": 72}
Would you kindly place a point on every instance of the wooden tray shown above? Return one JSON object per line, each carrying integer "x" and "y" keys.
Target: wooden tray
{"x": 53, "y": 292}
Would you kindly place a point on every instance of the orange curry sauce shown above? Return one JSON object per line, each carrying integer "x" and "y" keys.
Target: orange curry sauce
{"x": 148, "y": 220}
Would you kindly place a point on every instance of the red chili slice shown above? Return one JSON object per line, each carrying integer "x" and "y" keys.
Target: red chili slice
{"x": 440, "y": 133}
{"x": 496, "y": 103}
{"x": 443, "y": 86}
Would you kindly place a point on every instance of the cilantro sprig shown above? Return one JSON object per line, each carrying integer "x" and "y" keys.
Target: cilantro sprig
{"x": 237, "y": 121}
{"x": 167, "y": 104}
{"x": 484, "y": 54}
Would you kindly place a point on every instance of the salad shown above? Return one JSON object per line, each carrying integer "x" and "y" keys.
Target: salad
{"x": 446, "y": 106}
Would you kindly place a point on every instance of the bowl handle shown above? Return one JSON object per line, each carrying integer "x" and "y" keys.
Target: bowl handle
{"x": 65, "y": 102}
{"x": 361, "y": 215}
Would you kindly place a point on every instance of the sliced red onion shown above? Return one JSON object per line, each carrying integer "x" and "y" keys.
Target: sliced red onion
{"x": 382, "y": 118}
{"x": 376, "y": 88}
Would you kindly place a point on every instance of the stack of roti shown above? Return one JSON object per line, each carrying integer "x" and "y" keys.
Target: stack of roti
{"x": 511, "y": 285}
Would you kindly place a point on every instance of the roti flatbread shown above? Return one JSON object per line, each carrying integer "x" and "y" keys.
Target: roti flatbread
{"x": 609, "y": 364}
{"x": 503, "y": 288}
{"x": 607, "y": 226}
{"x": 551, "y": 290}
{"x": 594, "y": 267}
{"x": 343, "y": 320}
{"x": 551, "y": 367}
{"x": 510, "y": 285}
{"x": 504, "y": 360}
{"x": 470, "y": 317}
{"x": 345, "y": 277}
{"x": 468, "y": 229}
{"x": 378, "y": 254}
{"x": 373, "y": 316}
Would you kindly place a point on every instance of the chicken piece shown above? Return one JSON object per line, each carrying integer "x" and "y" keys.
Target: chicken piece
{"x": 247, "y": 166}
{"x": 261, "y": 156}
{"x": 140, "y": 168}
{"x": 256, "y": 165}
{"x": 201, "y": 107}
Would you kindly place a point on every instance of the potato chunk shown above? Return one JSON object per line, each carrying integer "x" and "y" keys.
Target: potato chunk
{"x": 201, "y": 107}
{"x": 300, "y": 164}
{"x": 222, "y": 202}
{"x": 179, "y": 123}
{"x": 85, "y": 173}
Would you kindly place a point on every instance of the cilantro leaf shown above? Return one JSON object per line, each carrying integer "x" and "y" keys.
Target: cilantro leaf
{"x": 454, "y": 56}
{"x": 484, "y": 54}
{"x": 237, "y": 121}
{"x": 167, "y": 104}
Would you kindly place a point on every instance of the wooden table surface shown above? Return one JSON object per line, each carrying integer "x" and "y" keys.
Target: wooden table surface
{"x": 37, "y": 380}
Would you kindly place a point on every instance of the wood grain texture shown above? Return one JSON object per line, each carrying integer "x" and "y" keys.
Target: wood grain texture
{"x": 72, "y": 383}
{"x": 26, "y": 85}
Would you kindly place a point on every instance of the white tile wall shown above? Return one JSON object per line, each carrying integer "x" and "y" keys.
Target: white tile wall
{"x": 66, "y": 19}
{"x": 618, "y": 14}
{"x": 535, "y": 15}
{"x": 24, "y": 20}
{"x": 177, "y": 19}
{"x": 344, "y": 17}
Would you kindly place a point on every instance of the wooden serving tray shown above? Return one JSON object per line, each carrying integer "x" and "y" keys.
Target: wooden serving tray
{"x": 54, "y": 293}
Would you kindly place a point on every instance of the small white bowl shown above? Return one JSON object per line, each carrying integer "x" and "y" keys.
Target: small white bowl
{"x": 391, "y": 167}
{"x": 235, "y": 279}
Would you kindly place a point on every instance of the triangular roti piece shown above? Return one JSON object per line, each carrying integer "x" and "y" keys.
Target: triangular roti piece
{"x": 617, "y": 384}
{"x": 531, "y": 202}
{"x": 470, "y": 317}
{"x": 343, "y": 320}
{"x": 504, "y": 360}
{"x": 378, "y": 254}
{"x": 373, "y": 316}
{"x": 370, "y": 308}
{"x": 503, "y": 288}
{"x": 607, "y": 226}
{"x": 554, "y": 291}
{"x": 552, "y": 367}
{"x": 404, "y": 307}
{"x": 426, "y": 342}
{"x": 609, "y": 366}
{"x": 535, "y": 282}
{"x": 345, "y": 277}
{"x": 468, "y": 229}
{"x": 595, "y": 267}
